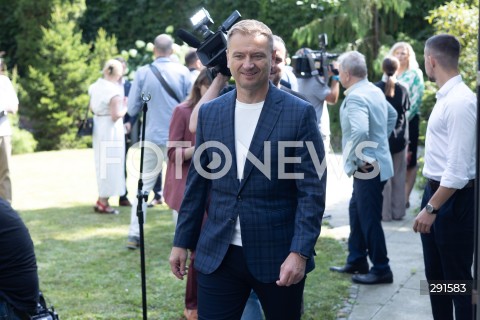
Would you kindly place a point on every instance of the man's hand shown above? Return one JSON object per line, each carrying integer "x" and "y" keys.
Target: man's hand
{"x": 423, "y": 222}
{"x": 292, "y": 270}
{"x": 128, "y": 127}
{"x": 178, "y": 259}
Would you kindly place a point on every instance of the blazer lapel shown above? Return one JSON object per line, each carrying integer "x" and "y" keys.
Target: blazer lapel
{"x": 268, "y": 118}
{"x": 227, "y": 134}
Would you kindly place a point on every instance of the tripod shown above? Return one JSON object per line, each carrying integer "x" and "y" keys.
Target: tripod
{"x": 142, "y": 196}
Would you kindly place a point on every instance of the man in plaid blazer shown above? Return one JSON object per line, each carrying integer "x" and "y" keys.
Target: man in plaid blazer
{"x": 259, "y": 167}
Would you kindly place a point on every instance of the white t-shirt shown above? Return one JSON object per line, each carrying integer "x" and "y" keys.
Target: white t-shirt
{"x": 246, "y": 119}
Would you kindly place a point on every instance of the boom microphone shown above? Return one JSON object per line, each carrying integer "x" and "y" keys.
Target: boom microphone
{"x": 188, "y": 38}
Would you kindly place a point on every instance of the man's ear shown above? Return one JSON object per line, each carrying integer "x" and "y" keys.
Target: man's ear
{"x": 432, "y": 61}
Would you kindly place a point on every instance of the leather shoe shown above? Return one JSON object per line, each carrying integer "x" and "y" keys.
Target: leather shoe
{"x": 124, "y": 203}
{"x": 371, "y": 278}
{"x": 351, "y": 268}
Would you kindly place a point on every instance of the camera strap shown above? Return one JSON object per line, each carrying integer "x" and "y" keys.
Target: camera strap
{"x": 164, "y": 83}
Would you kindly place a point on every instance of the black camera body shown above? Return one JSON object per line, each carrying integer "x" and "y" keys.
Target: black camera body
{"x": 307, "y": 63}
{"x": 43, "y": 312}
{"x": 212, "y": 51}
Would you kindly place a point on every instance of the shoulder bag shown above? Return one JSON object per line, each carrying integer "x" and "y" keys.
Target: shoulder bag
{"x": 164, "y": 83}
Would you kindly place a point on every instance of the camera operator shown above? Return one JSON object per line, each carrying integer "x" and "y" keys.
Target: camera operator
{"x": 18, "y": 267}
{"x": 315, "y": 88}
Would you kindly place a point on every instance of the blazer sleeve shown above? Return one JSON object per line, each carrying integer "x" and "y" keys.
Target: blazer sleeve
{"x": 195, "y": 198}
{"x": 311, "y": 188}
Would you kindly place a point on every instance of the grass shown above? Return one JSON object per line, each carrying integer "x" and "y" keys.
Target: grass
{"x": 85, "y": 270}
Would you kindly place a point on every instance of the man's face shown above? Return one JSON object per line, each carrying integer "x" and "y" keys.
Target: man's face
{"x": 344, "y": 76}
{"x": 278, "y": 63}
{"x": 250, "y": 60}
{"x": 428, "y": 65}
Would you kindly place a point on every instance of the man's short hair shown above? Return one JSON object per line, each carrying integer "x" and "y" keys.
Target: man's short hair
{"x": 445, "y": 48}
{"x": 191, "y": 57}
{"x": 253, "y": 28}
{"x": 354, "y": 63}
{"x": 279, "y": 40}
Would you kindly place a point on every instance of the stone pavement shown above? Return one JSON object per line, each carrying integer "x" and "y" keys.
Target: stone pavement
{"x": 400, "y": 300}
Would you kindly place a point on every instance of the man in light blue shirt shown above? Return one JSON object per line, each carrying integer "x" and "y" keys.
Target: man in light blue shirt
{"x": 367, "y": 120}
{"x": 160, "y": 110}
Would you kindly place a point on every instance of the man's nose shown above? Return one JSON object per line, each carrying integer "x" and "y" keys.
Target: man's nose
{"x": 248, "y": 63}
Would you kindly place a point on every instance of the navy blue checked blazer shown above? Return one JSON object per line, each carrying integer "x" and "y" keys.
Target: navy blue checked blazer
{"x": 277, "y": 215}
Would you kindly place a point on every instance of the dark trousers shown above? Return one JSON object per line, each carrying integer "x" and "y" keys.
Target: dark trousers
{"x": 222, "y": 295}
{"x": 191, "y": 289}
{"x": 448, "y": 251}
{"x": 366, "y": 232}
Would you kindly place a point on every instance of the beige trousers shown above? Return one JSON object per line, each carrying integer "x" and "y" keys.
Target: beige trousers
{"x": 5, "y": 160}
{"x": 394, "y": 190}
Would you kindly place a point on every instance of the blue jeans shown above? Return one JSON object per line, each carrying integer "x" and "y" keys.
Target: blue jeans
{"x": 253, "y": 308}
{"x": 7, "y": 312}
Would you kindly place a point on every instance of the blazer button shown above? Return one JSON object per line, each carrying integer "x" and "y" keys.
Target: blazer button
{"x": 239, "y": 198}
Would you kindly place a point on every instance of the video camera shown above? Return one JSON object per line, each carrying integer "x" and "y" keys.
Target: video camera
{"x": 307, "y": 63}
{"x": 212, "y": 51}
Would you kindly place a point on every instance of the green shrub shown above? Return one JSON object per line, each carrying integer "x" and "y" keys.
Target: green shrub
{"x": 22, "y": 141}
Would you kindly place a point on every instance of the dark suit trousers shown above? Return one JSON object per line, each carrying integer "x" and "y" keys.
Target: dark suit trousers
{"x": 366, "y": 232}
{"x": 222, "y": 295}
{"x": 448, "y": 251}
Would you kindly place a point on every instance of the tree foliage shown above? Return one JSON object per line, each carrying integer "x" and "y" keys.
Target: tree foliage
{"x": 59, "y": 46}
{"x": 460, "y": 20}
{"x": 54, "y": 95}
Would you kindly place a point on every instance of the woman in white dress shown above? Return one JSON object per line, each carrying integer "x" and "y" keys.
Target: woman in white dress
{"x": 108, "y": 104}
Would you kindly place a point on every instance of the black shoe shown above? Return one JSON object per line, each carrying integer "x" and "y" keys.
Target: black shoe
{"x": 371, "y": 278}
{"x": 351, "y": 268}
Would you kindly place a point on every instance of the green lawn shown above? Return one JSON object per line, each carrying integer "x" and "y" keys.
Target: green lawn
{"x": 85, "y": 270}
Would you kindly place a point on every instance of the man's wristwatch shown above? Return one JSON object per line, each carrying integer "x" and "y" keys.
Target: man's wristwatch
{"x": 431, "y": 209}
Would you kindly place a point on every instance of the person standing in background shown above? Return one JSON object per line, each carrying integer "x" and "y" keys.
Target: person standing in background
{"x": 165, "y": 96}
{"x": 446, "y": 220}
{"x": 108, "y": 105}
{"x": 367, "y": 120}
{"x": 179, "y": 158}
{"x": 397, "y": 96}
{"x": 193, "y": 63}
{"x": 8, "y": 104}
{"x": 127, "y": 123}
{"x": 317, "y": 91}
{"x": 411, "y": 77}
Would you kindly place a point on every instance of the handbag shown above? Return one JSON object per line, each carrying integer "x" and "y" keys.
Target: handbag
{"x": 85, "y": 127}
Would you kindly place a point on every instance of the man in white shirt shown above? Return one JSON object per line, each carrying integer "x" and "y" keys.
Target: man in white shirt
{"x": 446, "y": 220}
{"x": 8, "y": 104}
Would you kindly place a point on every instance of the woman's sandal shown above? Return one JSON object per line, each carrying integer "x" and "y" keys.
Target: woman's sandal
{"x": 101, "y": 208}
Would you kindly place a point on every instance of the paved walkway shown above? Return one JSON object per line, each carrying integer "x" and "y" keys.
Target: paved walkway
{"x": 400, "y": 300}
